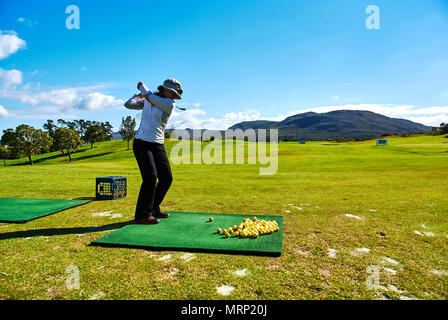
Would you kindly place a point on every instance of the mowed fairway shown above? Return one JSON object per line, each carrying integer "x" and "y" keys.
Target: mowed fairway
{"x": 396, "y": 199}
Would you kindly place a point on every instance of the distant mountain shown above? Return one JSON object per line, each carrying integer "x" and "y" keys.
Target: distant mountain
{"x": 116, "y": 136}
{"x": 258, "y": 124}
{"x": 335, "y": 124}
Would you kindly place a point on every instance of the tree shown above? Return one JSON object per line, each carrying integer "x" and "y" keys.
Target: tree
{"x": 127, "y": 129}
{"x": 169, "y": 131}
{"x": 444, "y": 128}
{"x": 50, "y": 127}
{"x": 29, "y": 141}
{"x": 81, "y": 127}
{"x": 4, "y": 153}
{"x": 7, "y": 137}
{"x": 67, "y": 124}
{"x": 71, "y": 125}
{"x": 67, "y": 139}
{"x": 107, "y": 128}
{"x": 7, "y": 140}
{"x": 94, "y": 134}
{"x": 61, "y": 122}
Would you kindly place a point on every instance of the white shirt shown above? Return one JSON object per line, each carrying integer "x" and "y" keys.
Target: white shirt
{"x": 155, "y": 114}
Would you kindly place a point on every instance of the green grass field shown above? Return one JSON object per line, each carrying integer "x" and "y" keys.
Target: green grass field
{"x": 389, "y": 192}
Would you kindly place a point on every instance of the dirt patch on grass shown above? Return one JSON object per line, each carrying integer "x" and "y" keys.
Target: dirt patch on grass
{"x": 325, "y": 272}
{"x": 51, "y": 292}
{"x": 168, "y": 274}
{"x": 272, "y": 266}
{"x": 303, "y": 251}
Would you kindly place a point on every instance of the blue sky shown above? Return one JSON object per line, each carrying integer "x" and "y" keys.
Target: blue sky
{"x": 237, "y": 60}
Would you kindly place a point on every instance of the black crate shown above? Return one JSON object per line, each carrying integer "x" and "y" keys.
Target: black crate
{"x": 110, "y": 188}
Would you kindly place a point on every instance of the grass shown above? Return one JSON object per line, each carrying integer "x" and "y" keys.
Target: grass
{"x": 405, "y": 182}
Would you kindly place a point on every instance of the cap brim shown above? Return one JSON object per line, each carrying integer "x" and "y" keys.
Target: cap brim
{"x": 174, "y": 91}
{"x": 171, "y": 90}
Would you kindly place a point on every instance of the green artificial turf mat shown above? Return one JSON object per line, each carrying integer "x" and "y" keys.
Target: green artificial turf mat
{"x": 22, "y": 210}
{"x": 193, "y": 231}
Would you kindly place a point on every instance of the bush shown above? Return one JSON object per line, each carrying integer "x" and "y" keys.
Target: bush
{"x": 342, "y": 139}
{"x": 405, "y": 134}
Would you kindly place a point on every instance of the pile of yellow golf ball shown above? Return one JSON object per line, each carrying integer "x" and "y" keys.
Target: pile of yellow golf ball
{"x": 250, "y": 228}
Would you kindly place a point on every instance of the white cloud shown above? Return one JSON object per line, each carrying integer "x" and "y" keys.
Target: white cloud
{"x": 67, "y": 106}
{"x": 26, "y": 21}
{"x": 431, "y": 116}
{"x": 66, "y": 96}
{"x": 10, "y": 78}
{"x": 76, "y": 106}
{"x": 44, "y": 112}
{"x": 434, "y": 121}
{"x": 60, "y": 103}
{"x": 10, "y": 43}
{"x": 83, "y": 97}
{"x": 192, "y": 119}
{"x": 3, "y": 112}
{"x": 394, "y": 110}
{"x": 189, "y": 104}
{"x": 98, "y": 101}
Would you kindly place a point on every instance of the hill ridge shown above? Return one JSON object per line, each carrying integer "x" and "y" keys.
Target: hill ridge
{"x": 335, "y": 124}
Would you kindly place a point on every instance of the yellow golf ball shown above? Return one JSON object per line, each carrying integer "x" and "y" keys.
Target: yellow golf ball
{"x": 219, "y": 231}
{"x": 210, "y": 219}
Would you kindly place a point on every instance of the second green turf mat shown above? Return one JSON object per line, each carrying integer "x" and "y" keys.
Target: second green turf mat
{"x": 187, "y": 230}
{"x": 22, "y": 210}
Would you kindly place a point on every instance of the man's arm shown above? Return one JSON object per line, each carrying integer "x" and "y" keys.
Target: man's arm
{"x": 135, "y": 103}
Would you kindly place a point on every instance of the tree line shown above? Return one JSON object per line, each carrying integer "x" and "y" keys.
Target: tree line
{"x": 64, "y": 136}
{"x": 443, "y": 128}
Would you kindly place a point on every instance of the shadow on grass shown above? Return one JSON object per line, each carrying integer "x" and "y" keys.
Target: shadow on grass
{"x": 56, "y": 156}
{"x": 95, "y": 199}
{"x": 86, "y": 198}
{"x": 90, "y": 156}
{"x": 195, "y": 250}
{"x": 61, "y": 231}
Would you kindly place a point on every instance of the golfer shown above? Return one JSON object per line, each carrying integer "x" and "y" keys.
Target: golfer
{"x": 149, "y": 148}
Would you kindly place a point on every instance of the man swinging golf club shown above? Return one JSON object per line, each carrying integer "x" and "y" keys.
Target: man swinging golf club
{"x": 149, "y": 148}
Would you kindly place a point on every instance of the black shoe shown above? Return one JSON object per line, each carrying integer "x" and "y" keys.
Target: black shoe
{"x": 161, "y": 214}
{"x": 150, "y": 220}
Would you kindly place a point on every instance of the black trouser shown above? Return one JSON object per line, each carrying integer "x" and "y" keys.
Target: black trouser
{"x": 153, "y": 163}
